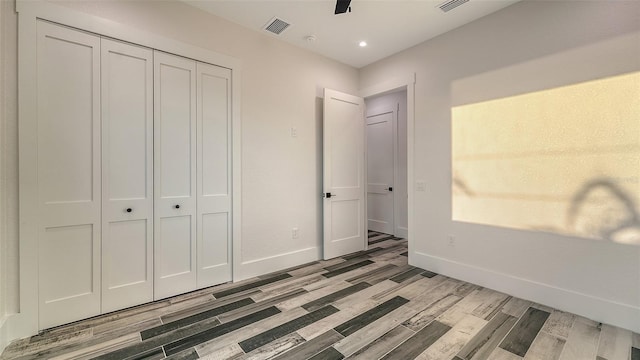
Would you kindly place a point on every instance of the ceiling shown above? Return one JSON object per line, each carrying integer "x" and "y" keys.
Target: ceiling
{"x": 388, "y": 26}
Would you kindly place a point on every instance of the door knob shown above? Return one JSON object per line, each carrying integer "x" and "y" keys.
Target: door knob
{"x": 329, "y": 195}
{"x": 129, "y": 209}
{"x": 390, "y": 188}
{"x": 177, "y": 206}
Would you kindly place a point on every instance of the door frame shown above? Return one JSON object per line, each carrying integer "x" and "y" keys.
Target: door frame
{"x": 25, "y": 322}
{"x": 393, "y": 85}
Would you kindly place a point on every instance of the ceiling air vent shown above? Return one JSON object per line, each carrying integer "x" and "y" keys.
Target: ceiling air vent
{"x": 451, "y": 4}
{"x": 276, "y": 26}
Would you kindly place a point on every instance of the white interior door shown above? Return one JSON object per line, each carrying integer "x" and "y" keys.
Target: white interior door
{"x": 380, "y": 172}
{"x": 68, "y": 148}
{"x": 174, "y": 175}
{"x": 127, "y": 169}
{"x": 214, "y": 175}
{"x": 344, "y": 188}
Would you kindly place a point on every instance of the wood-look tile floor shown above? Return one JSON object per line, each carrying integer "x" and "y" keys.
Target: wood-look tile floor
{"x": 369, "y": 305}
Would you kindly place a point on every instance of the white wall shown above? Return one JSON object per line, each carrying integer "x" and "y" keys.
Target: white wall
{"x": 281, "y": 88}
{"x": 390, "y": 101}
{"x": 529, "y": 45}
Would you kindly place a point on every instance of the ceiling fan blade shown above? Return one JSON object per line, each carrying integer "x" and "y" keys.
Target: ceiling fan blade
{"x": 342, "y": 6}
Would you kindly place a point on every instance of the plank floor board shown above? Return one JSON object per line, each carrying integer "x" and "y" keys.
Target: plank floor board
{"x": 547, "y": 347}
{"x": 374, "y": 330}
{"x": 328, "y": 354}
{"x": 311, "y": 347}
{"x": 158, "y": 330}
{"x": 483, "y": 344}
{"x": 246, "y": 310}
{"x": 228, "y": 342}
{"x": 346, "y": 269}
{"x": 420, "y": 341}
{"x": 525, "y": 331}
{"x": 328, "y": 299}
{"x": 349, "y": 327}
{"x": 365, "y": 306}
{"x": 286, "y": 328}
{"x": 384, "y": 344}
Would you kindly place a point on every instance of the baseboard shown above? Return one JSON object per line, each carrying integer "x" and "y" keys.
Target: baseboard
{"x": 402, "y": 232}
{"x": 598, "y": 309}
{"x": 7, "y": 331}
{"x": 251, "y": 268}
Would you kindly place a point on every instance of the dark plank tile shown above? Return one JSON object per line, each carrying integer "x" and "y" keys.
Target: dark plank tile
{"x": 155, "y": 331}
{"x": 251, "y": 285}
{"x": 524, "y": 332}
{"x": 328, "y": 354}
{"x": 193, "y": 340}
{"x": 325, "y": 300}
{"x": 349, "y": 327}
{"x": 485, "y": 341}
{"x": 154, "y": 354}
{"x": 405, "y": 254}
{"x": 268, "y": 336}
{"x": 189, "y": 354}
{"x": 635, "y": 353}
{"x": 388, "y": 249}
{"x": 362, "y": 253}
{"x": 177, "y": 315}
{"x": 343, "y": 264}
{"x": 347, "y": 269}
{"x": 406, "y": 275}
{"x": 416, "y": 344}
{"x": 311, "y": 347}
{"x": 276, "y": 347}
{"x": 391, "y": 270}
{"x": 160, "y": 340}
{"x": 371, "y": 242}
{"x": 428, "y": 274}
{"x": 243, "y": 311}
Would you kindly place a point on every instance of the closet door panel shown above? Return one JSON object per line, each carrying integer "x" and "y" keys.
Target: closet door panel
{"x": 214, "y": 178}
{"x": 69, "y": 186}
{"x": 175, "y": 174}
{"x": 127, "y": 163}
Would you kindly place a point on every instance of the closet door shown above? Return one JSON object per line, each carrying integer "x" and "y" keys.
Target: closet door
{"x": 68, "y": 148}
{"x": 174, "y": 175}
{"x": 127, "y": 181}
{"x": 214, "y": 178}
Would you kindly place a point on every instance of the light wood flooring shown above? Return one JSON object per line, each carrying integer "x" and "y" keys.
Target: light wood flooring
{"x": 369, "y": 305}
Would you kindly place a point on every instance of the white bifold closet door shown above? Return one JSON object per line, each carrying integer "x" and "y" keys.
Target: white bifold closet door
{"x": 174, "y": 175}
{"x": 133, "y": 175}
{"x": 68, "y": 177}
{"x": 127, "y": 175}
{"x": 214, "y": 175}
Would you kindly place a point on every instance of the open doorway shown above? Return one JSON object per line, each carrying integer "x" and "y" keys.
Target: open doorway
{"x": 345, "y": 166}
{"x": 387, "y": 181}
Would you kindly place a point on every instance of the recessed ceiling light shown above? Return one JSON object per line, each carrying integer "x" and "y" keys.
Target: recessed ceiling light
{"x": 362, "y": 43}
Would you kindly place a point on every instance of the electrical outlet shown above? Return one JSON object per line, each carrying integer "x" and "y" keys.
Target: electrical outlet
{"x": 452, "y": 241}
{"x": 294, "y": 132}
{"x": 421, "y": 185}
{"x": 295, "y": 233}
